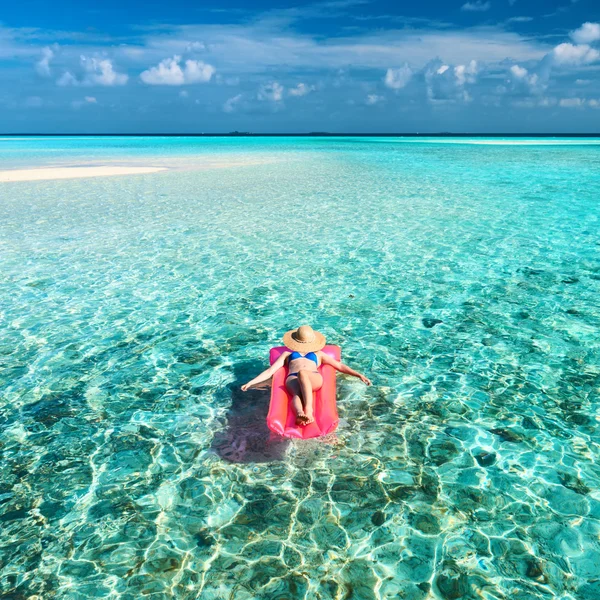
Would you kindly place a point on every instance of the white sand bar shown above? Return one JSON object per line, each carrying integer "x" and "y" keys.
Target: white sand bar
{"x": 72, "y": 173}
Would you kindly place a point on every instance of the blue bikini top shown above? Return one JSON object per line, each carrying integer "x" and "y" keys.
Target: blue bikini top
{"x": 310, "y": 355}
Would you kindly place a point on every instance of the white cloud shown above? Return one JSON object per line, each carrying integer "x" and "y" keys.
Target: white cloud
{"x": 43, "y": 65}
{"x": 563, "y": 55}
{"x": 101, "y": 72}
{"x": 519, "y": 72}
{"x": 302, "y": 90}
{"x": 272, "y": 92}
{"x": 466, "y": 73}
{"x": 447, "y": 84}
{"x": 170, "y": 72}
{"x": 587, "y": 33}
{"x": 374, "y": 99}
{"x": 476, "y": 6}
{"x": 568, "y": 54}
{"x": 266, "y": 44}
{"x": 197, "y": 71}
{"x": 521, "y": 77}
{"x": 183, "y": 94}
{"x": 231, "y": 103}
{"x": 594, "y": 103}
{"x": 96, "y": 72}
{"x": 571, "y": 102}
{"x": 583, "y": 81}
{"x": 396, "y": 79}
{"x": 77, "y": 104}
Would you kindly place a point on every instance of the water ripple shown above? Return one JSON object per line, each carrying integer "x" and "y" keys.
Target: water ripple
{"x": 464, "y": 279}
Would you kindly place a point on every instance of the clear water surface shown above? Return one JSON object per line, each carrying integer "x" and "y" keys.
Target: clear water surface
{"x": 463, "y": 276}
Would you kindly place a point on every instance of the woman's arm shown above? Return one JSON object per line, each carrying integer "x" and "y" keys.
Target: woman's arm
{"x": 268, "y": 373}
{"x": 342, "y": 368}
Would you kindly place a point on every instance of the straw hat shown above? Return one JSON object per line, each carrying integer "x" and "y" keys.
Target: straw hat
{"x": 304, "y": 339}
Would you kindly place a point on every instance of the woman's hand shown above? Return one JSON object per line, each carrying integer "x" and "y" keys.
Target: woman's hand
{"x": 268, "y": 373}
{"x": 365, "y": 380}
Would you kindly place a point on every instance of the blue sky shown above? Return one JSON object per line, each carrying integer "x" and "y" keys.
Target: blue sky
{"x": 263, "y": 66}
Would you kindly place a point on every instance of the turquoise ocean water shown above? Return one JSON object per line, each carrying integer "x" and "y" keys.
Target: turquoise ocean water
{"x": 461, "y": 275}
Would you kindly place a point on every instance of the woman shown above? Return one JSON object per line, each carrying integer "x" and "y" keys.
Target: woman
{"x": 304, "y": 357}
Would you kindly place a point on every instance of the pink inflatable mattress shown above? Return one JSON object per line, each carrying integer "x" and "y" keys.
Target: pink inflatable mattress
{"x": 281, "y": 418}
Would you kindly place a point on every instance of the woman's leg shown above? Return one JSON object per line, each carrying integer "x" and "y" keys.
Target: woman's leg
{"x": 293, "y": 388}
{"x": 309, "y": 382}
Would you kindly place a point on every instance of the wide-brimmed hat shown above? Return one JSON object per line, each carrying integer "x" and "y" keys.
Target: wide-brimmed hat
{"x": 304, "y": 339}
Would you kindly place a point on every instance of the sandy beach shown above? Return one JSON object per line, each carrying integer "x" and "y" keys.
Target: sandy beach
{"x": 51, "y": 173}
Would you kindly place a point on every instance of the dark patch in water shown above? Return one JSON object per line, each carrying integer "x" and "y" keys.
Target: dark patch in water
{"x": 534, "y": 568}
{"x": 485, "y": 459}
{"x": 530, "y": 271}
{"x": 204, "y": 540}
{"x": 378, "y": 518}
{"x": 506, "y": 435}
{"x": 573, "y": 483}
{"x": 429, "y": 322}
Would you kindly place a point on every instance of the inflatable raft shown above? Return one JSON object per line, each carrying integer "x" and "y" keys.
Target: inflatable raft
{"x": 281, "y": 418}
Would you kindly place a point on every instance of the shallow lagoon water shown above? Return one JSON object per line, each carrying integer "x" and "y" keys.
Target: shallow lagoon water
{"x": 463, "y": 278}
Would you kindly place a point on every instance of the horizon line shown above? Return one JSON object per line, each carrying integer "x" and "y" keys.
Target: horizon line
{"x": 310, "y": 134}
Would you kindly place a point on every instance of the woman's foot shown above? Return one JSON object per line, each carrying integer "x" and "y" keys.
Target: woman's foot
{"x": 309, "y": 418}
{"x": 301, "y": 419}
